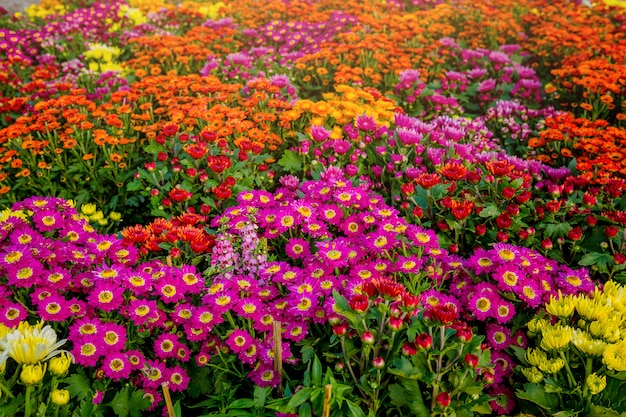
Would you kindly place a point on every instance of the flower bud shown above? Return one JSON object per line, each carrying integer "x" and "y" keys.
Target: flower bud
{"x": 575, "y": 233}
{"x": 359, "y": 303}
{"x": 395, "y": 323}
{"x": 60, "y": 397}
{"x": 59, "y": 365}
{"x": 481, "y": 229}
{"x": 339, "y": 366}
{"x": 32, "y": 374}
{"x": 378, "y": 362}
{"x": 424, "y": 341}
{"x": 611, "y": 231}
{"x": 596, "y": 383}
{"x": 340, "y": 329}
{"x": 471, "y": 360}
{"x": 546, "y": 244}
{"x": 409, "y": 349}
{"x": 443, "y": 399}
{"x": 368, "y": 338}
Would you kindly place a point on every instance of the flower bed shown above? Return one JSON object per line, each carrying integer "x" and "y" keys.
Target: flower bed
{"x": 295, "y": 208}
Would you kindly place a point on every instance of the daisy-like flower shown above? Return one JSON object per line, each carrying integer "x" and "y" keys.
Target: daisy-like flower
{"x": 409, "y": 264}
{"x": 530, "y": 293}
{"x": 334, "y": 253}
{"x": 183, "y": 353}
{"x": 23, "y": 236}
{"x": 264, "y": 376}
{"x": 249, "y": 308}
{"x": 169, "y": 289}
{"x": 422, "y": 237}
{"x": 85, "y": 327}
{"x": 250, "y": 355}
{"x": 136, "y": 359}
{"x": 482, "y": 305}
{"x": 139, "y": 282}
{"x": 508, "y": 277}
{"x": 188, "y": 275}
{"x": 165, "y": 346}
{"x": 87, "y": 352}
{"x": 107, "y": 296}
{"x": 505, "y": 311}
{"x": 297, "y": 248}
{"x": 11, "y": 314}
{"x": 574, "y": 282}
{"x": 141, "y": 311}
{"x": 295, "y": 332}
{"x": 106, "y": 272}
{"x": 352, "y": 226}
{"x": 503, "y": 402}
{"x": 481, "y": 261}
{"x": 14, "y": 254}
{"x": 24, "y": 274}
{"x": 56, "y": 276}
{"x": 239, "y": 340}
{"x": 205, "y": 318}
{"x": 48, "y": 220}
{"x": 154, "y": 373}
{"x": 113, "y": 337}
{"x": 505, "y": 252}
{"x": 315, "y": 228}
{"x": 177, "y": 379}
{"x": 182, "y": 313}
{"x": 302, "y": 305}
{"x": 53, "y": 308}
{"x": 379, "y": 241}
{"x": 498, "y": 337}
{"x": 116, "y": 366}
{"x": 331, "y": 214}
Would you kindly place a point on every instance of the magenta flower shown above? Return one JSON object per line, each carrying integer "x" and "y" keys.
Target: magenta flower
{"x": 239, "y": 340}
{"x": 297, "y": 248}
{"x": 11, "y": 314}
{"x": 177, "y": 379}
{"x": 116, "y": 366}
{"x": 87, "y": 352}
{"x": 165, "y": 346}
{"x": 107, "y": 296}
{"x": 53, "y": 308}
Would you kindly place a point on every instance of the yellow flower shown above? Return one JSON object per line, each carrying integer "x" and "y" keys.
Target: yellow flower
{"x": 552, "y": 366}
{"x": 60, "y": 397}
{"x": 30, "y": 344}
{"x": 60, "y": 364}
{"x": 592, "y": 309}
{"x": 555, "y": 337}
{"x": 614, "y": 356}
{"x": 585, "y": 343}
{"x": 535, "y": 356}
{"x": 533, "y": 375}
{"x": 115, "y": 216}
{"x": 32, "y": 374}
{"x": 98, "y": 215}
{"x": 596, "y": 383}
{"x": 536, "y": 325}
{"x": 88, "y": 209}
{"x": 563, "y": 307}
{"x": 607, "y": 329}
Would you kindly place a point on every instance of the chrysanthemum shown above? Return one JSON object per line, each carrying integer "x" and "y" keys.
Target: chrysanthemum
{"x": 48, "y": 220}
{"x": 165, "y": 346}
{"x": 334, "y": 253}
{"x": 249, "y": 308}
{"x": 14, "y": 254}
{"x": 116, "y": 366}
{"x": 504, "y": 366}
{"x": 504, "y": 401}
{"x": 481, "y": 261}
{"x": 302, "y": 305}
{"x": 331, "y": 214}
{"x": 614, "y": 356}
{"x": 85, "y": 327}
{"x": 24, "y": 274}
{"x": 182, "y": 313}
{"x": 23, "y": 236}
{"x": 295, "y": 332}
{"x": 138, "y": 282}
{"x": 264, "y": 376}
{"x": 250, "y": 355}
{"x": 508, "y": 277}
{"x": 380, "y": 241}
{"x": 530, "y": 293}
{"x": 136, "y": 359}
{"x": 188, "y": 275}
{"x": 141, "y": 310}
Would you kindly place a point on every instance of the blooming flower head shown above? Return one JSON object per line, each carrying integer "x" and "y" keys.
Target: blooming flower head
{"x": 116, "y": 366}
{"x": 239, "y": 340}
{"x": 29, "y": 344}
{"x": 614, "y": 356}
{"x": 498, "y": 337}
{"x": 555, "y": 337}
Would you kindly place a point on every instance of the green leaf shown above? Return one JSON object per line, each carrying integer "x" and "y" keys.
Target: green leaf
{"x": 355, "y": 410}
{"x": 557, "y": 230}
{"x": 595, "y": 258}
{"x": 304, "y": 410}
{"x": 536, "y": 394}
{"x": 124, "y": 407}
{"x": 490, "y": 210}
{"x": 260, "y": 395}
{"x": 242, "y": 403}
{"x": 316, "y": 372}
{"x": 299, "y": 398}
{"x": 78, "y": 386}
{"x": 290, "y": 161}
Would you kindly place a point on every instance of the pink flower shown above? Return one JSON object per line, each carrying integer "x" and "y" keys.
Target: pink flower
{"x": 53, "y": 308}
{"x": 169, "y": 289}
{"x": 239, "y": 340}
{"x": 154, "y": 373}
{"x": 12, "y": 314}
{"x": 177, "y": 379}
{"x": 165, "y": 346}
{"x": 106, "y": 295}
{"x": 113, "y": 337}
{"x": 87, "y": 352}
{"x": 116, "y": 366}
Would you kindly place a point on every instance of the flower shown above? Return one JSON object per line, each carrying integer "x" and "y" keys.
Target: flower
{"x": 596, "y": 383}
{"x": 556, "y": 337}
{"x": 60, "y": 397}
{"x": 30, "y": 344}
{"x": 614, "y": 356}
{"x": 59, "y": 365}
{"x": 32, "y": 374}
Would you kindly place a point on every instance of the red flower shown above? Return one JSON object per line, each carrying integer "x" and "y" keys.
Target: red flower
{"x": 179, "y": 195}
{"x": 499, "y": 168}
{"x": 546, "y": 244}
{"x": 508, "y": 193}
{"x": 453, "y": 171}
{"x": 219, "y": 163}
{"x": 504, "y": 221}
{"x": 424, "y": 341}
{"x": 388, "y": 287}
{"x": 443, "y": 399}
{"x": 444, "y": 314}
{"x": 197, "y": 150}
{"x": 222, "y": 191}
{"x": 428, "y": 181}
{"x": 359, "y": 302}
{"x": 471, "y": 360}
{"x": 576, "y": 233}
{"x": 611, "y": 231}
{"x": 481, "y": 229}
{"x": 170, "y": 129}
{"x": 462, "y": 209}
{"x": 553, "y": 206}
{"x": 589, "y": 200}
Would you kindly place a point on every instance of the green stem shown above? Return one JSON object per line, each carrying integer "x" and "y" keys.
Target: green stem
{"x": 28, "y": 406}
{"x": 6, "y": 391}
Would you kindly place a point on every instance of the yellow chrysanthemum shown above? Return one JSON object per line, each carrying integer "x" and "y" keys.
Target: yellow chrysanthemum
{"x": 614, "y": 356}
{"x": 552, "y": 366}
{"x": 596, "y": 383}
{"x": 533, "y": 375}
{"x": 563, "y": 307}
{"x": 585, "y": 343}
{"x": 555, "y": 337}
{"x": 535, "y": 356}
